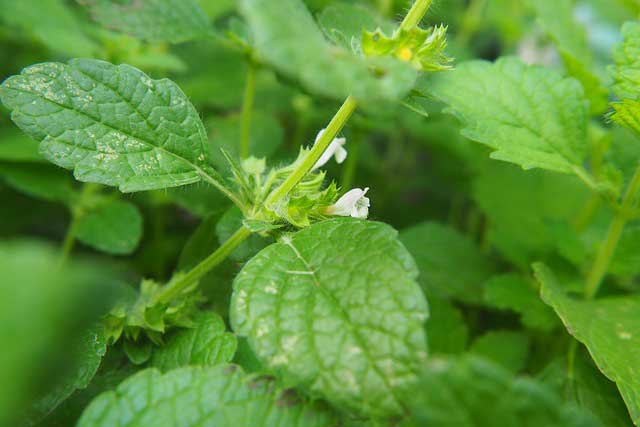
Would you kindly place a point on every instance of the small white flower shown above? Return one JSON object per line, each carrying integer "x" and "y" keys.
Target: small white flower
{"x": 352, "y": 203}
{"x": 334, "y": 149}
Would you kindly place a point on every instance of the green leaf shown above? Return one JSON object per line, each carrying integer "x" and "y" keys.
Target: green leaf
{"x": 557, "y": 19}
{"x": 336, "y": 310}
{"x": 472, "y": 392}
{"x": 520, "y": 206}
{"x": 44, "y": 309}
{"x": 45, "y": 182}
{"x": 153, "y": 20}
{"x": 589, "y": 389}
{"x": 608, "y": 327}
{"x": 286, "y": 37}
{"x": 528, "y": 115}
{"x": 114, "y": 227}
{"x": 112, "y": 124}
{"x": 627, "y": 115}
{"x": 86, "y": 356}
{"x": 206, "y": 344}
{"x": 517, "y": 293}
{"x": 626, "y": 72}
{"x": 51, "y": 22}
{"x": 213, "y": 396}
{"x": 447, "y": 332}
{"x": 506, "y": 348}
{"x": 439, "y": 252}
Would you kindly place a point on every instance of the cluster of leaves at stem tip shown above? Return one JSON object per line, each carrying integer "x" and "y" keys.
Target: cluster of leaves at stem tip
{"x": 533, "y": 313}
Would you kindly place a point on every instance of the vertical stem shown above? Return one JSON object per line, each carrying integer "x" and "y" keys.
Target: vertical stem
{"x": 608, "y": 248}
{"x": 174, "y": 289}
{"x": 335, "y": 126}
{"x": 470, "y": 21}
{"x": 384, "y": 7}
{"x": 77, "y": 212}
{"x": 247, "y": 109}
{"x": 415, "y": 14}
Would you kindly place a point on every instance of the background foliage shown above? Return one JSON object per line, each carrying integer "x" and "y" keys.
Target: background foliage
{"x": 496, "y": 281}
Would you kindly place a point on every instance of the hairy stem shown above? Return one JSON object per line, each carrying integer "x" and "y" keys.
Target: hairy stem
{"x": 413, "y": 18}
{"x": 335, "y": 126}
{"x": 608, "y": 247}
{"x": 174, "y": 288}
{"x": 415, "y": 14}
{"x": 247, "y": 110}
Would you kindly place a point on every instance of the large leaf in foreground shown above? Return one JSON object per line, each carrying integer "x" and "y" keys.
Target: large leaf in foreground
{"x": 609, "y": 327}
{"x": 529, "y": 115}
{"x": 336, "y": 309}
{"x": 472, "y": 392}
{"x": 112, "y": 124}
{"x": 287, "y": 37}
{"x": 197, "y": 396}
{"x": 153, "y": 20}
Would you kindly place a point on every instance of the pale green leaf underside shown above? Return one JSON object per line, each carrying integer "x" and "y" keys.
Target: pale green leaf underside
{"x": 153, "y": 20}
{"x": 114, "y": 227}
{"x": 286, "y": 36}
{"x": 111, "y": 124}
{"x": 626, "y": 72}
{"x": 336, "y": 309}
{"x": 609, "y": 328}
{"x": 472, "y": 392}
{"x": 200, "y": 397}
{"x": 529, "y": 115}
{"x": 206, "y": 344}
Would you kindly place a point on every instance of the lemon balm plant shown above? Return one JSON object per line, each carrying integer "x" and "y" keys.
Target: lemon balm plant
{"x": 287, "y": 306}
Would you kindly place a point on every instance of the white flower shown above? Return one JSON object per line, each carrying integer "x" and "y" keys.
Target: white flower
{"x": 334, "y": 149}
{"x": 352, "y": 203}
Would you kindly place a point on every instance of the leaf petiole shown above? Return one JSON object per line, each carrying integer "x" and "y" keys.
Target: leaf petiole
{"x": 608, "y": 248}
{"x": 174, "y": 288}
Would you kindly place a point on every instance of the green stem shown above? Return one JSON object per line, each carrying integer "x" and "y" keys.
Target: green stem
{"x": 384, "y": 7}
{"x": 415, "y": 14}
{"x": 608, "y": 248}
{"x": 224, "y": 190}
{"x": 335, "y": 126}
{"x": 470, "y": 21}
{"x": 174, "y": 288}
{"x": 247, "y": 109}
{"x": 77, "y": 212}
